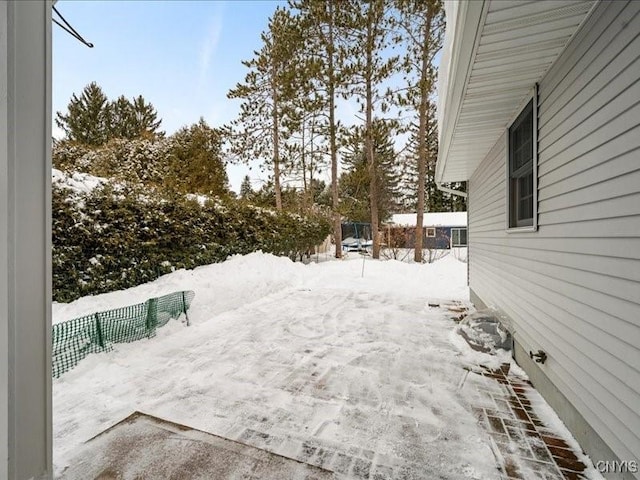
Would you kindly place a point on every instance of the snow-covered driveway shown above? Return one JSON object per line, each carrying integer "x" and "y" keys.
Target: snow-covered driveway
{"x": 313, "y": 362}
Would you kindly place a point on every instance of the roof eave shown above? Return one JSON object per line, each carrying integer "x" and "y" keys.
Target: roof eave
{"x": 494, "y": 54}
{"x": 458, "y": 51}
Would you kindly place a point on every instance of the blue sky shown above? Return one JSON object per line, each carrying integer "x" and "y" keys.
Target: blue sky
{"x": 182, "y": 56}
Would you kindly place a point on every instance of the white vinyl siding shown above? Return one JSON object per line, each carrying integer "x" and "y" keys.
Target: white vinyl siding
{"x": 572, "y": 288}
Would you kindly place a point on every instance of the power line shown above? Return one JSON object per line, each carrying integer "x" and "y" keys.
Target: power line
{"x": 69, "y": 29}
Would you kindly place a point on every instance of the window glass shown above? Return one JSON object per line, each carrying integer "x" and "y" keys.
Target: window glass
{"x": 459, "y": 237}
{"x": 463, "y": 237}
{"x": 521, "y": 181}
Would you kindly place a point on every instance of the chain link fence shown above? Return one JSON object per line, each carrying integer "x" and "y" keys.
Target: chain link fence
{"x": 75, "y": 339}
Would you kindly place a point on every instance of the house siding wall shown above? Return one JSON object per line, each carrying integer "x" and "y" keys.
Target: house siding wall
{"x": 572, "y": 288}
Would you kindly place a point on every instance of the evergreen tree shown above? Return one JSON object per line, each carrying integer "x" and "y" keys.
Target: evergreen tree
{"x": 133, "y": 119}
{"x": 420, "y": 24}
{"x": 121, "y": 119}
{"x": 408, "y": 179}
{"x": 195, "y": 162}
{"x": 246, "y": 191}
{"x": 435, "y": 199}
{"x": 92, "y": 120}
{"x": 144, "y": 118}
{"x": 88, "y": 117}
{"x": 305, "y": 155}
{"x": 325, "y": 26}
{"x": 410, "y": 183}
{"x": 260, "y": 130}
{"x": 356, "y": 181}
{"x": 372, "y": 66}
{"x": 321, "y": 192}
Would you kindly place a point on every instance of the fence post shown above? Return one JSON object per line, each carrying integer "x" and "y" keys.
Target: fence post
{"x": 184, "y": 308}
{"x": 99, "y": 331}
{"x": 152, "y": 316}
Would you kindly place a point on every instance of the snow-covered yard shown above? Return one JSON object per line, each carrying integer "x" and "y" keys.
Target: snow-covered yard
{"x": 314, "y": 362}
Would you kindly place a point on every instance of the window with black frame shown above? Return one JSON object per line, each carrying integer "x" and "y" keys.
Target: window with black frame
{"x": 521, "y": 172}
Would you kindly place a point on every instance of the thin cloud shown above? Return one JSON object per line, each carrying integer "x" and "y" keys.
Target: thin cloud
{"x": 210, "y": 44}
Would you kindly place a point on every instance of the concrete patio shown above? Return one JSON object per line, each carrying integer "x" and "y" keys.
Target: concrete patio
{"x": 336, "y": 413}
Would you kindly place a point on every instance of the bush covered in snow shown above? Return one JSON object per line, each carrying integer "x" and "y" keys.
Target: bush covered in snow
{"x": 189, "y": 161}
{"x": 118, "y": 235}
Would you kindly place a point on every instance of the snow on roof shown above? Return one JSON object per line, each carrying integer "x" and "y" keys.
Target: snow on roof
{"x": 432, "y": 219}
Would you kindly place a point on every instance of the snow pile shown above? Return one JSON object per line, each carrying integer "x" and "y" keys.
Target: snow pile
{"x": 484, "y": 332}
{"x": 219, "y": 287}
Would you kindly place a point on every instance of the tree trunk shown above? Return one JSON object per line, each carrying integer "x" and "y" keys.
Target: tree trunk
{"x": 276, "y": 143}
{"x": 373, "y": 179}
{"x": 310, "y": 187}
{"x": 422, "y": 138}
{"x": 337, "y": 224}
{"x": 306, "y": 205}
{"x": 422, "y": 168}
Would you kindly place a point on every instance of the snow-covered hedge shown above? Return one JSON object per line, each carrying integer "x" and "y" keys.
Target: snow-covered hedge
{"x": 188, "y": 161}
{"x": 117, "y": 235}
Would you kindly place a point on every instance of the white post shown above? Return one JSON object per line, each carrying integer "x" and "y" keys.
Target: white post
{"x": 25, "y": 240}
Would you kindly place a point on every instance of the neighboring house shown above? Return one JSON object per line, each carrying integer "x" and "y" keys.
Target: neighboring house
{"x": 442, "y": 230}
{"x": 539, "y": 111}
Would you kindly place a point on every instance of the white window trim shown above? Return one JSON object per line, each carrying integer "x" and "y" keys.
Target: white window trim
{"x": 433, "y": 229}
{"x": 25, "y": 240}
{"x": 531, "y": 228}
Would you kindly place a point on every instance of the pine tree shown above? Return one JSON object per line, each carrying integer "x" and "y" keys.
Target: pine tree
{"x": 260, "y": 130}
{"x": 372, "y": 66}
{"x": 246, "y": 191}
{"x": 409, "y": 174}
{"x": 305, "y": 152}
{"x": 133, "y": 119}
{"x": 92, "y": 120}
{"x": 145, "y": 118}
{"x": 356, "y": 181}
{"x": 121, "y": 119}
{"x": 325, "y": 26}
{"x": 88, "y": 117}
{"x": 420, "y": 24}
{"x": 435, "y": 199}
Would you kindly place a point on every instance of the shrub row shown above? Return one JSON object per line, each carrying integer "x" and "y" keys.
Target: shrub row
{"x": 116, "y": 237}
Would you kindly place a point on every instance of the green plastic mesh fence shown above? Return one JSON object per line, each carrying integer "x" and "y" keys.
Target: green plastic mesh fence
{"x": 72, "y": 341}
{"x": 171, "y": 306}
{"x": 75, "y": 339}
{"x": 126, "y": 324}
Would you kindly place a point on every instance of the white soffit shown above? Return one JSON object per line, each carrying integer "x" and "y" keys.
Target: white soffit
{"x": 515, "y": 44}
